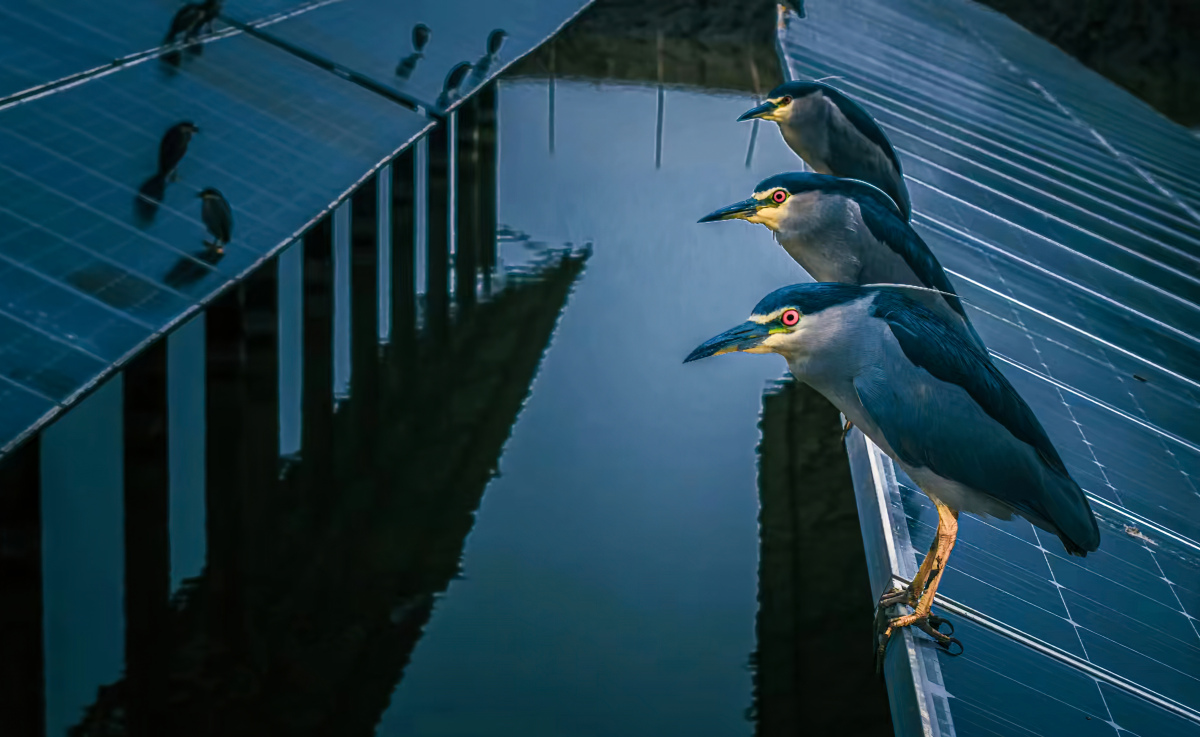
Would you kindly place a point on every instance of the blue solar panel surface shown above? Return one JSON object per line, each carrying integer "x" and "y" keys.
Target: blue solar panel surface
{"x": 89, "y": 270}
{"x": 1064, "y": 210}
{"x": 375, "y": 38}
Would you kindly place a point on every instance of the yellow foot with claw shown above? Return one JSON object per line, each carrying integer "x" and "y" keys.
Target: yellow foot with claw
{"x": 928, "y": 623}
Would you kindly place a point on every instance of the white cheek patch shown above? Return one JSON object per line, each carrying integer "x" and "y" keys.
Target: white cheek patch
{"x": 764, "y": 319}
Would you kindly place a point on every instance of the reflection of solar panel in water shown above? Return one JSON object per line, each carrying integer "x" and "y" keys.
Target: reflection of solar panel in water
{"x": 1061, "y": 208}
{"x": 90, "y": 270}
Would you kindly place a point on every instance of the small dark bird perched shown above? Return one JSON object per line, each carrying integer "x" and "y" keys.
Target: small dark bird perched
{"x": 835, "y": 135}
{"x": 421, "y": 34}
{"x": 495, "y": 41}
{"x": 453, "y": 81}
{"x": 420, "y": 39}
{"x": 189, "y": 22}
{"x": 173, "y": 146}
{"x": 217, "y": 217}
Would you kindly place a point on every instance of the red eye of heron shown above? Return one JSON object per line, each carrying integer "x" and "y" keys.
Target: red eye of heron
{"x": 779, "y": 196}
{"x": 785, "y": 100}
{"x": 790, "y": 317}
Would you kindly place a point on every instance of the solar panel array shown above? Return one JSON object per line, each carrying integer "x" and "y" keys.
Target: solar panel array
{"x": 1065, "y": 211}
{"x": 90, "y": 269}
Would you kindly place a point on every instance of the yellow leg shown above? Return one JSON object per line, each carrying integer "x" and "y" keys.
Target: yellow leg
{"x": 912, "y": 594}
{"x": 781, "y": 13}
{"x": 846, "y": 429}
{"x": 947, "y": 533}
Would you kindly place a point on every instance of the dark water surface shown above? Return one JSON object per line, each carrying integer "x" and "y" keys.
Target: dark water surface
{"x": 609, "y": 582}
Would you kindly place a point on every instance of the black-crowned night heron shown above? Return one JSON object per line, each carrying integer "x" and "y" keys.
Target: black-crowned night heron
{"x": 173, "y": 146}
{"x": 217, "y": 217}
{"x": 934, "y": 403}
{"x": 844, "y": 230}
{"x": 835, "y": 135}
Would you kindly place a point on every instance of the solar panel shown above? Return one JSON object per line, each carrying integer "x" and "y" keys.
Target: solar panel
{"x": 91, "y": 269}
{"x": 1060, "y": 206}
{"x": 375, "y": 38}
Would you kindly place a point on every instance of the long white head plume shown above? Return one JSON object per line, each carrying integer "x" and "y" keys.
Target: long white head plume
{"x": 918, "y": 289}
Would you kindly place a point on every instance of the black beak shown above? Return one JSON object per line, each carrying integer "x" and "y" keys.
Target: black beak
{"x": 736, "y": 211}
{"x": 744, "y": 336}
{"x": 758, "y": 112}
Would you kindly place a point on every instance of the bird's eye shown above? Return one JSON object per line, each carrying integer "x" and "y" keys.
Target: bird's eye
{"x": 785, "y": 100}
{"x": 790, "y": 317}
{"x": 779, "y": 196}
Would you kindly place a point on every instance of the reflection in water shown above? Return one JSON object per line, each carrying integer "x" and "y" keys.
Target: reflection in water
{"x": 317, "y": 586}
{"x": 813, "y": 593}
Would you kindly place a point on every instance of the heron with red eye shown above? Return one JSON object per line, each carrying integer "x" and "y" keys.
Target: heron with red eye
{"x": 790, "y": 317}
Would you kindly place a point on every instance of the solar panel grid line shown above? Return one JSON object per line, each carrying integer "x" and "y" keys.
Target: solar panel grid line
{"x": 72, "y": 80}
{"x": 1137, "y": 416}
{"x": 929, "y": 220}
{"x": 868, "y": 58}
{"x": 1073, "y": 328}
{"x": 1037, "y": 154}
{"x": 1092, "y": 260}
{"x": 95, "y": 255}
{"x": 1127, "y": 121}
{"x": 1096, "y": 401}
{"x": 104, "y": 216}
{"x": 1182, "y": 256}
{"x": 1120, "y": 156}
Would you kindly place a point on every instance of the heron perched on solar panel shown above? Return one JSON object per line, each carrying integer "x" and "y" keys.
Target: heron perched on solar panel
{"x": 844, "y": 230}
{"x": 193, "y": 18}
{"x": 217, "y": 217}
{"x": 421, "y": 34}
{"x": 173, "y": 147}
{"x": 835, "y": 135}
{"x": 933, "y": 402}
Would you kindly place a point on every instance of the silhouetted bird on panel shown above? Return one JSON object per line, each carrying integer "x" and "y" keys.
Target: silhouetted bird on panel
{"x": 173, "y": 146}
{"x": 453, "y": 81}
{"x": 835, "y": 135}
{"x": 189, "y": 22}
{"x": 217, "y": 217}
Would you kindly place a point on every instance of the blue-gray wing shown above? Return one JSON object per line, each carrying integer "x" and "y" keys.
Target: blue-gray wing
{"x": 899, "y": 236}
{"x": 873, "y": 161}
{"x": 942, "y": 405}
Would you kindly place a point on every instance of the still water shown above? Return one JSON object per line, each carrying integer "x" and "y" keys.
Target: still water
{"x": 540, "y": 524}
{"x": 609, "y": 584}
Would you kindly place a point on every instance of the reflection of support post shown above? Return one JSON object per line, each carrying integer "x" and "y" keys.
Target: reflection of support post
{"x": 291, "y": 350}
{"x": 404, "y": 275}
{"x": 658, "y": 134}
{"x": 437, "y": 228}
{"x": 383, "y": 253}
{"x": 466, "y": 205}
{"x": 364, "y": 301}
{"x": 342, "y": 314}
{"x": 813, "y": 590}
{"x": 186, "y": 449}
{"x": 83, "y": 553}
{"x": 147, "y": 543}
{"x": 550, "y": 91}
{"x": 318, "y": 337}
{"x": 487, "y": 102}
{"x": 226, "y": 444}
{"x": 22, "y": 681}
